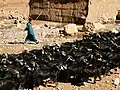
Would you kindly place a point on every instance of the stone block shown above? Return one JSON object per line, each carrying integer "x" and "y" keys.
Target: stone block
{"x": 70, "y": 29}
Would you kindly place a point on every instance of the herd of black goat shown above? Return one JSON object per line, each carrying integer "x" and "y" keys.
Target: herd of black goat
{"x": 72, "y": 62}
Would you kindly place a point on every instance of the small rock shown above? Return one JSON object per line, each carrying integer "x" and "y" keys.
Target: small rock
{"x": 45, "y": 25}
{"x": 102, "y": 76}
{"x": 51, "y": 85}
{"x": 114, "y": 30}
{"x": 82, "y": 86}
{"x": 19, "y": 25}
{"x": 116, "y": 81}
{"x": 0, "y": 33}
{"x": 85, "y": 83}
{"x": 107, "y": 81}
{"x": 115, "y": 71}
{"x": 111, "y": 71}
{"x": 76, "y": 89}
{"x": 11, "y": 17}
{"x": 41, "y": 87}
{"x": 15, "y": 22}
{"x": 59, "y": 88}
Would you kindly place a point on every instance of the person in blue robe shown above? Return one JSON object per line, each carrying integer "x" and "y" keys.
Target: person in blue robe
{"x": 30, "y": 33}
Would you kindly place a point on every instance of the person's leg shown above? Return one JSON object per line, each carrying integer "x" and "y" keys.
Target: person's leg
{"x": 29, "y": 38}
{"x": 26, "y": 40}
{"x": 34, "y": 39}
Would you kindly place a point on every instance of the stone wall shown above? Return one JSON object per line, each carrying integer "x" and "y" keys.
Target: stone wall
{"x": 71, "y": 11}
{"x": 102, "y": 10}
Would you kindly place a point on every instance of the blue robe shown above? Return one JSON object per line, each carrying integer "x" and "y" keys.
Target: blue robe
{"x": 30, "y": 33}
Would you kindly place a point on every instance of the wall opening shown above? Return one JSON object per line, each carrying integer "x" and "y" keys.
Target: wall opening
{"x": 65, "y": 11}
{"x": 118, "y": 15}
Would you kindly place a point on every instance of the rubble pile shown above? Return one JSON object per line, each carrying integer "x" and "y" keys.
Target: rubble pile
{"x": 72, "y": 62}
{"x": 93, "y": 27}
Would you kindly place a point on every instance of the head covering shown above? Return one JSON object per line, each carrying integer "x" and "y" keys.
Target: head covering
{"x": 30, "y": 19}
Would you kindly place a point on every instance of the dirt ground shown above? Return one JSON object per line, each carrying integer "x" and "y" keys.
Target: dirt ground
{"x": 12, "y": 38}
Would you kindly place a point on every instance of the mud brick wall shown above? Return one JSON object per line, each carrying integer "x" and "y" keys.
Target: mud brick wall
{"x": 66, "y": 11}
{"x": 102, "y": 10}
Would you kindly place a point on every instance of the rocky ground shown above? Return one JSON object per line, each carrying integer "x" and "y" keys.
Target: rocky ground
{"x": 12, "y": 37}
